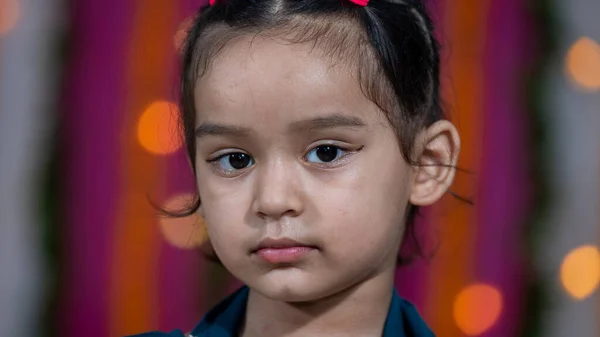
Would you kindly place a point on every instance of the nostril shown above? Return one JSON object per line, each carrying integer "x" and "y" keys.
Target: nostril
{"x": 277, "y": 215}
{"x": 261, "y": 215}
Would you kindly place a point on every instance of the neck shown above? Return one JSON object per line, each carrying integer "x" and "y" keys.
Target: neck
{"x": 360, "y": 310}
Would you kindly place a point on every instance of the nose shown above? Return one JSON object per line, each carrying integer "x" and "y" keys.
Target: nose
{"x": 278, "y": 190}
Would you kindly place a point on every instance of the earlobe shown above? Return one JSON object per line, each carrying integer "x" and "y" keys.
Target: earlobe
{"x": 437, "y": 158}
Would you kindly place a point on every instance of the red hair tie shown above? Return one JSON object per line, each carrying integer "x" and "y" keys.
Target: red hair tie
{"x": 212, "y": 2}
{"x": 357, "y": 2}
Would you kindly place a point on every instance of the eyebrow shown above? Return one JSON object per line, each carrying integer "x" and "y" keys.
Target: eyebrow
{"x": 327, "y": 122}
{"x": 313, "y": 124}
{"x": 212, "y": 129}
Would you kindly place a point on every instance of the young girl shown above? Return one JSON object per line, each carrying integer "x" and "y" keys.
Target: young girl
{"x": 315, "y": 130}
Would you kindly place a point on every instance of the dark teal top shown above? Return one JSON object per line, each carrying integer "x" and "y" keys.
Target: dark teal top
{"x": 224, "y": 320}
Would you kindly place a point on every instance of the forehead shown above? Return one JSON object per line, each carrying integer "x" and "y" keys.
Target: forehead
{"x": 261, "y": 77}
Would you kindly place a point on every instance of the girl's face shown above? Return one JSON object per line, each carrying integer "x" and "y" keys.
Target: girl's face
{"x": 289, "y": 148}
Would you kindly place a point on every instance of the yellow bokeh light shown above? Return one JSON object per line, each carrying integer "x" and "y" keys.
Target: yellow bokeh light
{"x": 181, "y": 33}
{"x": 9, "y": 15}
{"x": 158, "y": 128}
{"x": 477, "y": 308}
{"x": 583, "y": 63}
{"x": 580, "y": 271}
{"x": 183, "y": 232}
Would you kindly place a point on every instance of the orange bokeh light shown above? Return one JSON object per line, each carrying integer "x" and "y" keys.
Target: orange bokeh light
{"x": 186, "y": 232}
{"x": 158, "y": 128}
{"x": 580, "y": 271}
{"x": 477, "y": 308}
{"x": 181, "y": 33}
{"x": 583, "y": 63}
{"x": 9, "y": 15}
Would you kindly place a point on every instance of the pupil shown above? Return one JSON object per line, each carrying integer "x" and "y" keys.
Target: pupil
{"x": 239, "y": 160}
{"x": 327, "y": 153}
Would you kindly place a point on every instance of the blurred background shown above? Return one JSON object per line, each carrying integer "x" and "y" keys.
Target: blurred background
{"x": 87, "y": 119}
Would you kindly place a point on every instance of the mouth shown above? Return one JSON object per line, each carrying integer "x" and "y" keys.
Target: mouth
{"x": 283, "y": 250}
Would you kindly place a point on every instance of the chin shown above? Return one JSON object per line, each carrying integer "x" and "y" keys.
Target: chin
{"x": 288, "y": 286}
{"x": 288, "y": 293}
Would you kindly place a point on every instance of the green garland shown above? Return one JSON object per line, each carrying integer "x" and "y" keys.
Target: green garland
{"x": 536, "y": 94}
{"x": 51, "y": 210}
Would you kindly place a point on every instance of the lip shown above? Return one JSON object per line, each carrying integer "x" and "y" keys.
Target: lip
{"x": 279, "y": 243}
{"x": 282, "y": 250}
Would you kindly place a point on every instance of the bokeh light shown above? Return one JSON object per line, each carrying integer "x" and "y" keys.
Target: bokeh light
{"x": 477, "y": 308}
{"x": 181, "y": 33}
{"x": 580, "y": 271}
{"x": 158, "y": 128}
{"x": 185, "y": 232}
{"x": 9, "y": 15}
{"x": 583, "y": 63}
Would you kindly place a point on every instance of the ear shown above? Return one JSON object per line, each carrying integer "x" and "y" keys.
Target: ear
{"x": 437, "y": 154}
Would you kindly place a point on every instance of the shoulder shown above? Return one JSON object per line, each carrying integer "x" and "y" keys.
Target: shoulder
{"x": 413, "y": 320}
{"x": 223, "y": 320}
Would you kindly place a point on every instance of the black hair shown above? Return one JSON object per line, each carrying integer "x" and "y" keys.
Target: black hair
{"x": 390, "y": 43}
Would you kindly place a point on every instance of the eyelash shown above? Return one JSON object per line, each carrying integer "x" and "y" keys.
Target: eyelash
{"x": 337, "y": 161}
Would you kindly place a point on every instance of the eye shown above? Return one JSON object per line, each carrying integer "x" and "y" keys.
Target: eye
{"x": 325, "y": 154}
{"x": 232, "y": 162}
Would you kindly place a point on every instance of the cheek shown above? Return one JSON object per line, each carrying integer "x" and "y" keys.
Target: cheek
{"x": 366, "y": 218}
{"x": 224, "y": 209}
{"x": 366, "y": 209}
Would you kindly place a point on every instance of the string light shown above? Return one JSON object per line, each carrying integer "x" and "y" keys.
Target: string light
{"x": 583, "y": 63}
{"x": 183, "y": 232}
{"x": 9, "y": 16}
{"x": 180, "y": 35}
{"x": 477, "y": 308}
{"x": 158, "y": 128}
{"x": 580, "y": 271}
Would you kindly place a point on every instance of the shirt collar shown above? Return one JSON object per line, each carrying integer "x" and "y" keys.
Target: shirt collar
{"x": 404, "y": 320}
{"x": 224, "y": 320}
